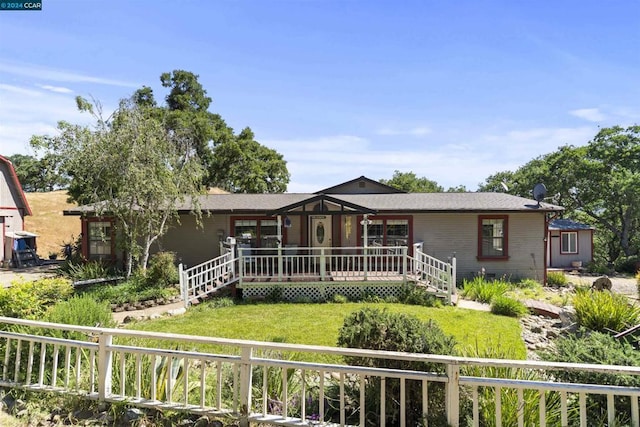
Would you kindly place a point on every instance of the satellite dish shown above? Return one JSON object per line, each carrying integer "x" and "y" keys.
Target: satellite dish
{"x": 539, "y": 192}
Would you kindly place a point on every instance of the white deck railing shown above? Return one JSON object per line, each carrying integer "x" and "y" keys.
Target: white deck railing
{"x": 323, "y": 264}
{"x": 436, "y": 275}
{"x": 339, "y": 264}
{"x": 205, "y": 278}
{"x": 267, "y": 382}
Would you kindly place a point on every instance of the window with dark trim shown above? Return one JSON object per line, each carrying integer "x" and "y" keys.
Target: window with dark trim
{"x": 387, "y": 232}
{"x": 256, "y": 232}
{"x": 568, "y": 242}
{"x": 100, "y": 240}
{"x": 493, "y": 232}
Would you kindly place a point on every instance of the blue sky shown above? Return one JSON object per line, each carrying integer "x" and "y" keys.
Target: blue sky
{"x": 453, "y": 91}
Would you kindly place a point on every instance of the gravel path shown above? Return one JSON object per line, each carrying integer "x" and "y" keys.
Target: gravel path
{"x": 8, "y": 275}
{"x": 623, "y": 285}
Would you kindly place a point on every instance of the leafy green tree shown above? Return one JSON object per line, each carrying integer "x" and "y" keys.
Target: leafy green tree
{"x": 409, "y": 182}
{"x": 38, "y": 174}
{"x": 596, "y": 183}
{"x": 130, "y": 168}
{"x": 236, "y": 163}
{"x": 242, "y": 165}
{"x": 27, "y": 169}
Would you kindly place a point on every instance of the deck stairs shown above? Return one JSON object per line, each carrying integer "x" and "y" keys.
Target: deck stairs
{"x": 392, "y": 264}
{"x": 201, "y": 281}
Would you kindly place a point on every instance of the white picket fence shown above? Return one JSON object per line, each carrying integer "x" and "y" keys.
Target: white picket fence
{"x": 270, "y": 383}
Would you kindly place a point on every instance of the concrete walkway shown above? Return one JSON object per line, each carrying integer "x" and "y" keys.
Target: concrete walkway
{"x": 473, "y": 305}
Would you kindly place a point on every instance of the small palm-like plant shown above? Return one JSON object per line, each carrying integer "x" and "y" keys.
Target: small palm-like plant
{"x": 481, "y": 290}
{"x": 505, "y": 306}
{"x": 604, "y": 311}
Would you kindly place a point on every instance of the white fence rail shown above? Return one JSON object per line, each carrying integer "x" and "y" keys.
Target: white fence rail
{"x": 269, "y": 383}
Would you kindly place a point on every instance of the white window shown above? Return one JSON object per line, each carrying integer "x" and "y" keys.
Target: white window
{"x": 569, "y": 242}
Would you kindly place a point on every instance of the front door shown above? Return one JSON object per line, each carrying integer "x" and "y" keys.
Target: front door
{"x": 320, "y": 231}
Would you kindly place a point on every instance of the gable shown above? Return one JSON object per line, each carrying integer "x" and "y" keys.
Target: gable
{"x": 362, "y": 185}
{"x": 11, "y": 194}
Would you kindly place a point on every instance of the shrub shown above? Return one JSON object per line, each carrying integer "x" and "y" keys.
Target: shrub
{"x": 80, "y": 310}
{"x": 629, "y": 265}
{"x": 413, "y": 295}
{"x": 482, "y": 291}
{"x": 162, "y": 271}
{"x": 556, "y": 278}
{"x": 601, "y": 349}
{"x": 505, "y": 306}
{"x": 78, "y": 270}
{"x": 527, "y": 284}
{"x": 381, "y": 330}
{"x": 340, "y": 299}
{"x": 601, "y": 311}
{"x": 127, "y": 292}
{"x": 30, "y": 299}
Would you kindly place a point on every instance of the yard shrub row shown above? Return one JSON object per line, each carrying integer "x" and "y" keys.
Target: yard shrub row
{"x": 30, "y": 299}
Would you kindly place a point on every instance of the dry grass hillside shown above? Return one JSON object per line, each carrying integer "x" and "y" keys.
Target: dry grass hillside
{"x": 53, "y": 229}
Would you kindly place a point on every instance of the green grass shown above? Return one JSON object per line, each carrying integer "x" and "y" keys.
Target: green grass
{"x": 318, "y": 324}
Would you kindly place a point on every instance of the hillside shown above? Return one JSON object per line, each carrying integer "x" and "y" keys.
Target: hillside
{"x": 53, "y": 229}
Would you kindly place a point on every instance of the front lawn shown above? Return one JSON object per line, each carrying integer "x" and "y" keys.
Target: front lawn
{"x": 318, "y": 324}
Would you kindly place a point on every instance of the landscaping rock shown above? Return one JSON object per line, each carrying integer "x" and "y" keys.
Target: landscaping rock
{"x": 133, "y": 414}
{"x": 538, "y": 333}
{"x": 567, "y": 315}
{"x": 177, "y": 311}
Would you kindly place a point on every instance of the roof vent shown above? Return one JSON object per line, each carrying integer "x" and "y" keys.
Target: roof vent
{"x": 362, "y": 184}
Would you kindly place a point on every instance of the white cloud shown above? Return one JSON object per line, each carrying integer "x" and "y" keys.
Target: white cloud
{"x": 57, "y": 89}
{"x": 468, "y": 160}
{"x": 589, "y": 114}
{"x": 50, "y": 74}
{"x": 25, "y": 112}
{"x": 415, "y": 131}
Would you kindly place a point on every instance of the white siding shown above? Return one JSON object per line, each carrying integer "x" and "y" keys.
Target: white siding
{"x": 446, "y": 233}
{"x": 585, "y": 249}
{"x": 9, "y": 211}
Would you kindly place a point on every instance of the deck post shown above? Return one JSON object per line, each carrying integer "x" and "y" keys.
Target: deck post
{"x": 280, "y": 263}
{"x": 453, "y": 395}
{"x": 323, "y": 265}
{"x": 105, "y": 365}
{"x": 240, "y": 265}
{"x": 453, "y": 273}
{"x": 183, "y": 285}
{"x": 245, "y": 386}
{"x": 404, "y": 265}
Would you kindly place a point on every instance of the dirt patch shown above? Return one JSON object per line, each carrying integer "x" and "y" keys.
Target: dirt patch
{"x": 27, "y": 274}
{"x": 625, "y": 285}
{"x": 52, "y": 227}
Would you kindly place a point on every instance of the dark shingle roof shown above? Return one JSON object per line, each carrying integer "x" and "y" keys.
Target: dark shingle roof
{"x": 401, "y": 202}
{"x": 567, "y": 224}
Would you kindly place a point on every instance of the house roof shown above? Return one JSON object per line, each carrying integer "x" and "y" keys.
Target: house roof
{"x": 363, "y": 203}
{"x": 568, "y": 225}
{"x": 22, "y": 199}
